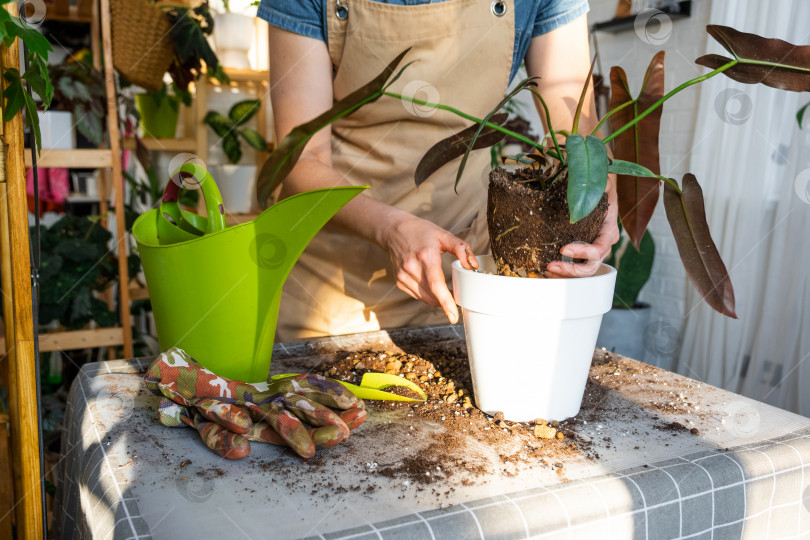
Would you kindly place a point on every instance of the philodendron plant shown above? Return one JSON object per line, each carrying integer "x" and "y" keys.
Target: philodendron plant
{"x": 229, "y": 129}
{"x": 582, "y": 159}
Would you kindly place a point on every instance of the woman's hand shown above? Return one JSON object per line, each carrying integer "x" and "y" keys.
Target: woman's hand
{"x": 594, "y": 253}
{"x": 416, "y": 246}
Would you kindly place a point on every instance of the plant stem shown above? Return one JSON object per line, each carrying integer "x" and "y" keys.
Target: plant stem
{"x": 548, "y": 123}
{"x": 668, "y": 95}
{"x": 671, "y": 182}
{"x": 609, "y": 114}
{"x": 496, "y": 127}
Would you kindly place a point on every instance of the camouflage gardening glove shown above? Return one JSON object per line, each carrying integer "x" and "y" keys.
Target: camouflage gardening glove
{"x": 228, "y": 414}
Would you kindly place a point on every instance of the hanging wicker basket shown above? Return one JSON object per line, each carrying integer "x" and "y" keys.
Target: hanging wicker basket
{"x": 142, "y": 46}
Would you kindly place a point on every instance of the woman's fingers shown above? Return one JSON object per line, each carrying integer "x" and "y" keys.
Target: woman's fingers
{"x": 438, "y": 287}
{"x": 461, "y": 250}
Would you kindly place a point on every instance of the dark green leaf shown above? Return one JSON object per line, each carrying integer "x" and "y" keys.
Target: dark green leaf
{"x": 587, "y": 174}
{"x": 800, "y": 114}
{"x": 100, "y": 312}
{"x": 637, "y": 194}
{"x": 243, "y": 111}
{"x": 13, "y": 94}
{"x": 219, "y": 123}
{"x": 687, "y": 219}
{"x": 618, "y": 166}
{"x": 232, "y": 148}
{"x": 67, "y": 88}
{"x": 456, "y": 145}
{"x": 81, "y": 304}
{"x": 88, "y": 123}
{"x": 771, "y": 62}
{"x": 82, "y": 92}
{"x": 528, "y": 82}
{"x": 254, "y": 138}
{"x": 35, "y": 41}
{"x": 37, "y": 77}
{"x": 283, "y": 159}
{"x": 633, "y": 271}
{"x": 32, "y": 118}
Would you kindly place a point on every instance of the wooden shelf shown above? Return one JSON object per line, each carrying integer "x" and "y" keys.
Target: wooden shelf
{"x": 77, "y": 339}
{"x": 621, "y": 24}
{"x": 168, "y": 145}
{"x": 72, "y": 15}
{"x": 242, "y": 75}
{"x": 72, "y": 159}
{"x": 137, "y": 292}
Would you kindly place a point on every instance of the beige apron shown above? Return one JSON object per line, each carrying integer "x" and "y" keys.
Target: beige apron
{"x": 462, "y": 53}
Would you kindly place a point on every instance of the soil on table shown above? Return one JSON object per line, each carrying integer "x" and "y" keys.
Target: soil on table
{"x": 443, "y": 373}
{"x": 529, "y": 223}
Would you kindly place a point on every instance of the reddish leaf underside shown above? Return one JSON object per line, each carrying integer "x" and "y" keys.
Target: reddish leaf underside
{"x": 455, "y": 146}
{"x": 704, "y": 266}
{"x": 637, "y": 196}
{"x": 788, "y": 65}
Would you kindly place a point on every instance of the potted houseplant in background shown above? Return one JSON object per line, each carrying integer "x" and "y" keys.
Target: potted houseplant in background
{"x": 622, "y": 329}
{"x": 79, "y": 92}
{"x": 234, "y": 34}
{"x": 236, "y": 179}
{"x": 160, "y": 110}
{"x": 151, "y": 40}
{"x": 77, "y": 266}
{"x": 564, "y": 191}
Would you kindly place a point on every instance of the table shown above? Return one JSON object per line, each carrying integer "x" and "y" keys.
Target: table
{"x": 745, "y": 473}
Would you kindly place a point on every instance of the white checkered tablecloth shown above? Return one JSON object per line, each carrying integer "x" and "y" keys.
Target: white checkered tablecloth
{"x": 124, "y": 476}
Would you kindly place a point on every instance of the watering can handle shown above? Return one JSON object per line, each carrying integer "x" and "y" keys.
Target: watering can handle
{"x": 210, "y": 192}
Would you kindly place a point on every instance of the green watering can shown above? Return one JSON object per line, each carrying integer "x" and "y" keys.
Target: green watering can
{"x": 215, "y": 290}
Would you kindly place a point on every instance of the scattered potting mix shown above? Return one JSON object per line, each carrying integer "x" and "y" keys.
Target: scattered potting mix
{"x": 442, "y": 371}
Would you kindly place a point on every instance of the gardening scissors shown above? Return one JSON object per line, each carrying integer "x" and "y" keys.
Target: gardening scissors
{"x": 372, "y": 386}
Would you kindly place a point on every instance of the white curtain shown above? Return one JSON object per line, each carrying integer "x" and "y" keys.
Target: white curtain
{"x": 753, "y": 163}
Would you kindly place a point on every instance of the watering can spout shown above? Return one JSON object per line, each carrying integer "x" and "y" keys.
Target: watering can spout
{"x": 215, "y": 290}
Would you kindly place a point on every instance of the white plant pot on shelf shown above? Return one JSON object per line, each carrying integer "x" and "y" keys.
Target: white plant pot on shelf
{"x": 233, "y": 36}
{"x": 56, "y": 130}
{"x": 237, "y": 183}
{"x": 530, "y": 341}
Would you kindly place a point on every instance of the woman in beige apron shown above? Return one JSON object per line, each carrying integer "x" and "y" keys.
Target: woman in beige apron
{"x": 462, "y": 52}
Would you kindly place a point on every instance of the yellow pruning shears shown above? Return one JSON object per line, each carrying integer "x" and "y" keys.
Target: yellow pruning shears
{"x": 373, "y": 385}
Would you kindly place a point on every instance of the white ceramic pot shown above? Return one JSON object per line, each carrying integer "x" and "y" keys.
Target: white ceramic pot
{"x": 56, "y": 130}
{"x": 622, "y": 331}
{"x": 530, "y": 341}
{"x": 237, "y": 183}
{"x": 233, "y": 35}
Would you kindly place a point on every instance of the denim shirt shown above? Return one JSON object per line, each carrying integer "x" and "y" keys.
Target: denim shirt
{"x": 532, "y": 18}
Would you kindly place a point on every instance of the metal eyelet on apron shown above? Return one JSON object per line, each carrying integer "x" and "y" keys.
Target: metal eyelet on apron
{"x": 498, "y": 8}
{"x": 341, "y": 11}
